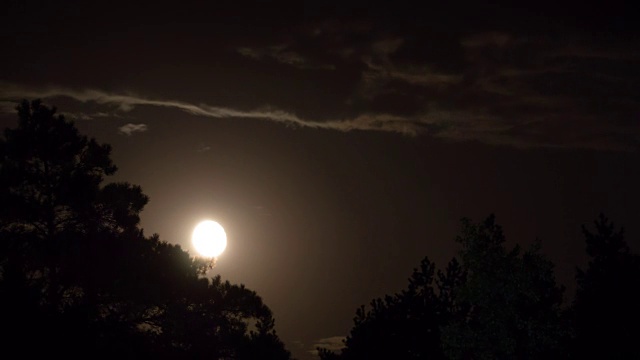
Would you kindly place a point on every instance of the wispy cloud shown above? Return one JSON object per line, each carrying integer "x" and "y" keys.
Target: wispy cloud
{"x": 284, "y": 55}
{"x": 333, "y": 343}
{"x": 8, "y": 107}
{"x": 89, "y": 116}
{"x": 492, "y": 111}
{"x": 130, "y": 129}
{"x": 413, "y": 75}
{"x": 378, "y": 122}
{"x": 203, "y": 148}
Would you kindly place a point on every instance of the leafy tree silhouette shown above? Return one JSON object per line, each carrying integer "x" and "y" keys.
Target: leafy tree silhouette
{"x": 405, "y": 325}
{"x": 79, "y": 278}
{"x": 606, "y": 310}
{"x": 495, "y": 304}
{"x": 511, "y": 300}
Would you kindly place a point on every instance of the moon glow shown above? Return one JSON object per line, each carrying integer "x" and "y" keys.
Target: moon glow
{"x": 209, "y": 238}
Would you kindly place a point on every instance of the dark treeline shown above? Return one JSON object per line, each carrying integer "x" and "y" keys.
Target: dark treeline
{"x": 491, "y": 302}
{"x": 78, "y": 278}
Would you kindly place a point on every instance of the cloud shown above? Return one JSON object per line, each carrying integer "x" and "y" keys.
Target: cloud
{"x": 387, "y": 46}
{"x": 8, "y": 107}
{"x": 502, "y": 87}
{"x": 414, "y": 75}
{"x": 77, "y": 116}
{"x": 333, "y": 343}
{"x": 283, "y": 54}
{"x": 203, "y": 148}
{"x": 130, "y": 129}
{"x": 249, "y": 52}
{"x": 89, "y": 116}
{"x": 378, "y": 122}
{"x": 513, "y": 106}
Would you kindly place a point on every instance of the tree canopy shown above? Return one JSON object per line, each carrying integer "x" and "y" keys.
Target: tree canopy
{"x": 497, "y": 303}
{"x": 78, "y": 277}
{"x": 606, "y": 310}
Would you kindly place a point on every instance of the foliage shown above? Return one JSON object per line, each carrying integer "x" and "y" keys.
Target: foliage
{"x": 79, "y": 278}
{"x": 505, "y": 304}
{"x": 605, "y": 310}
{"x": 512, "y": 300}
{"x": 405, "y": 325}
{"x": 495, "y": 304}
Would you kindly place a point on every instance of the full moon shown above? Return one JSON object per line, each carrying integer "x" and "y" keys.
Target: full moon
{"x": 209, "y": 238}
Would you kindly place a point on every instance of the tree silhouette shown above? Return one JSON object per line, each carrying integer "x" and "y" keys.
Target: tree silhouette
{"x": 405, "y": 325}
{"x": 494, "y": 304}
{"x": 79, "y": 278}
{"x": 606, "y": 309}
{"x": 511, "y": 300}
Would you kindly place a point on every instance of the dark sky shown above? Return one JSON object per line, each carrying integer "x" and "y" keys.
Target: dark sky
{"x": 340, "y": 144}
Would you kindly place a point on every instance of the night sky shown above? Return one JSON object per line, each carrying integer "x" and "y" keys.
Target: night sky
{"x": 340, "y": 144}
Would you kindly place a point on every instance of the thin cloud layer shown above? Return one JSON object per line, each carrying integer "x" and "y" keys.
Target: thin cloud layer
{"x": 283, "y": 55}
{"x": 539, "y": 81}
{"x": 126, "y": 103}
{"x": 130, "y": 129}
{"x": 334, "y": 343}
{"x": 493, "y": 87}
{"x": 527, "y": 120}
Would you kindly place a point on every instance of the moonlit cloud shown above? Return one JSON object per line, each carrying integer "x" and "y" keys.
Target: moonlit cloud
{"x": 514, "y": 113}
{"x": 249, "y": 52}
{"x": 410, "y": 74}
{"x": 507, "y": 89}
{"x": 333, "y": 343}
{"x": 377, "y": 122}
{"x": 8, "y": 107}
{"x": 284, "y": 55}
{"x": 76, "y": 116}
{"x": 130, "y": 129}
{"x": 203, "y": 148}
